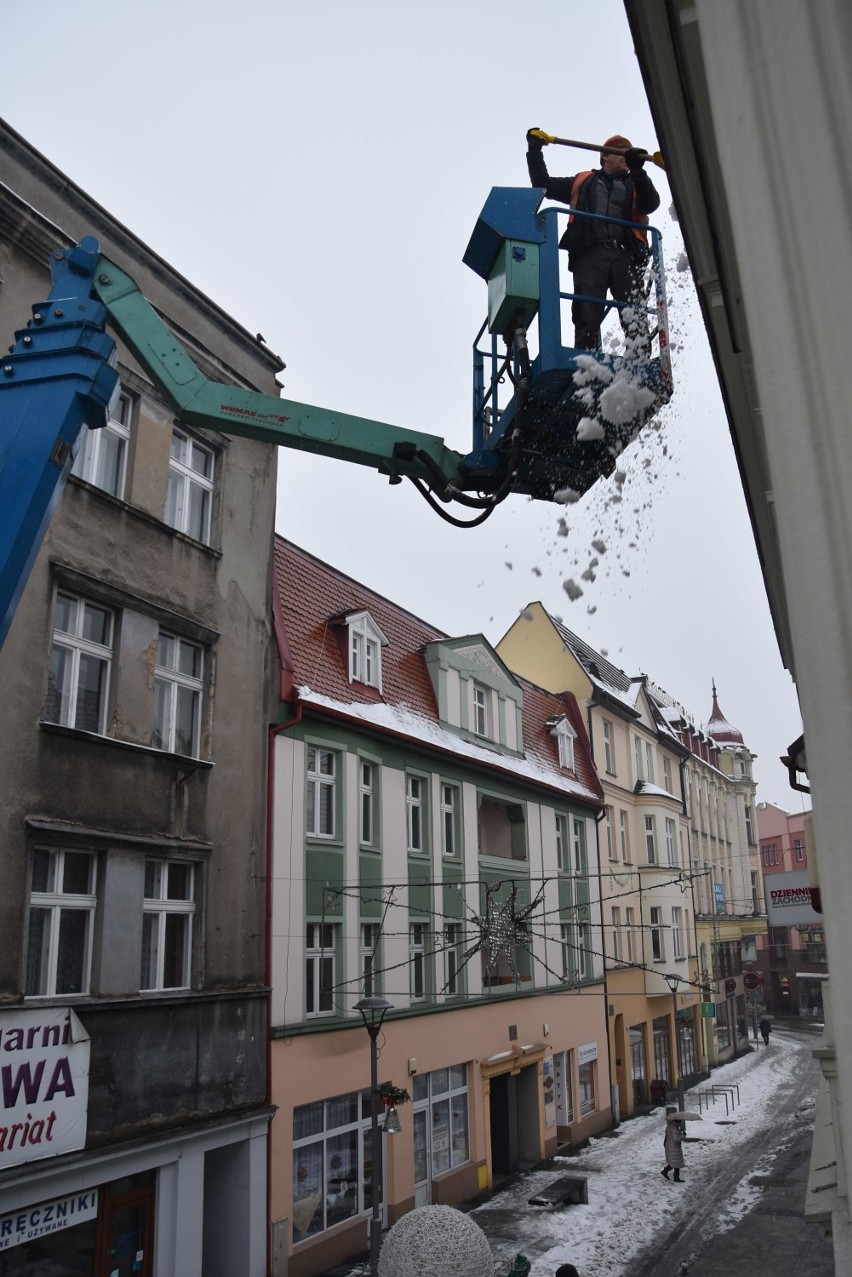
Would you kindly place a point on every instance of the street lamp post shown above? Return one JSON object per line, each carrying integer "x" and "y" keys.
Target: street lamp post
{"x": 673, "y": 981}
{"x": 373, "y": 1012}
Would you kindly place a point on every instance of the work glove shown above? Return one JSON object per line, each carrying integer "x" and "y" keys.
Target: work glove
{"x": 636, "y": 157}
{"x": 534, "y": 143}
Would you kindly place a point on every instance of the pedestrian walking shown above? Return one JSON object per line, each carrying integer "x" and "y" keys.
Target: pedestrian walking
{"x": 765, "y": 1028}
{"x": 673, "y": 1146}
{"x": 566, "y": 1270}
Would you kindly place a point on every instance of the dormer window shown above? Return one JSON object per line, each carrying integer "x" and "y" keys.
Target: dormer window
{"x": 565, "y": 737}
{"x": 365, "y": 651}
{"x": 481, "y": 710}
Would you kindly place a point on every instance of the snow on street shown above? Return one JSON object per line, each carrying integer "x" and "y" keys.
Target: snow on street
{"x": 631, "y": 1206}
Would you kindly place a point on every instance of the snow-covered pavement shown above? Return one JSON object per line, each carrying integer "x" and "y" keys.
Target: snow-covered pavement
{"x": 631, "y": 1206}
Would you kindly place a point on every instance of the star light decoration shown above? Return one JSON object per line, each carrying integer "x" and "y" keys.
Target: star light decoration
{"x": 502, "y": 928}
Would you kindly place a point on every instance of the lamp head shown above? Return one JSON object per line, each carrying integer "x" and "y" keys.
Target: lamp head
{"x": 373, "y": 1012}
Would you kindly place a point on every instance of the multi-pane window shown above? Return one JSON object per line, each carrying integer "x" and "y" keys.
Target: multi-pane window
{"x": 799, "y": 848}
{"x": 749, "y": 824}
{"x": 167, "y": 913}
{"x": 440, "y": 1121}
{"x": 178, "y": 691}
{"x": 417, "y": 960}
{"x": 671, "y": 841}
{"x": 80, "y": 664}
{"x": 575, "y": 944}
{"x": 629, "y": 925}
{"x": 369, "y": 955}
{"x": 677, "y": 932}
{"x": 649, "y": 762}
{"x": 449, "y": 818}
{"x": 565, "y": 742}
{"x": 609, "y": 836}
{"x": 578, "y": 846}
{"x": 638, "y": 761}
{"x": 453, "y": 936}
{"x": 320, "y": 955}
{"x": 59, "y": 936}
{"x": 189, "y": 498}
{"x": 481, "y": 710}
{"x": 102, "y": 459}
{"x": 414, "y": 813}
{"x": 562, "y": 854}
{"x": 657, "y": 948}
{"x": 365, "y": 653}
{"x": 366, "y": 802}
{"x": 332, "y": 1162}
{"x": 609, "y": 748}
{"x": 667, "y": 774}
{"x": 321, "y": 792}
{"x": 616, "y": 934}
{"x": 624, "y": 835}
{"x": 651, "y": 839}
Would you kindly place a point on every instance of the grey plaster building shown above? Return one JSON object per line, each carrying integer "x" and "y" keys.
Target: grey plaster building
{"x": 136, "y": 689}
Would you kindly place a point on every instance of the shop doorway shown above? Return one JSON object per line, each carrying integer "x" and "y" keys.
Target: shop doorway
{"x": 127, "y": 1227}
{"x": 515, "y": 1122}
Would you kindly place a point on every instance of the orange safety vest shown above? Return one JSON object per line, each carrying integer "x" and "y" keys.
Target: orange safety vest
{"x": 641, "y": 219}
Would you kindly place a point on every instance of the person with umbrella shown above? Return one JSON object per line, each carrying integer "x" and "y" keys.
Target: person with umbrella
{"x": 673, "y": 1144}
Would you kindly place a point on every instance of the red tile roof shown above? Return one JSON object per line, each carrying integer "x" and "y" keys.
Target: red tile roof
{"x": 311, "y": 600}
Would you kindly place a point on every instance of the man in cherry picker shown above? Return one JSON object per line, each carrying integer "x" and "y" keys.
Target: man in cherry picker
{"x": 604, "y": 257}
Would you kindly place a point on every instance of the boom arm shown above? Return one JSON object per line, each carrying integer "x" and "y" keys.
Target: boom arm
{"x": 198, "y": 401}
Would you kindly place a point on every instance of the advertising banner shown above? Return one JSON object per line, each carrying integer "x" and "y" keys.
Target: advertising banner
{"x": 44, "y": 1084}
{"x": 788, "y": 899}
{"x": 48, "y": 1217}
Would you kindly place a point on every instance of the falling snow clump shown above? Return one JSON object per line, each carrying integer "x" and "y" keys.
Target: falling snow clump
{"x": 625, "y": 400}
{"x": 572, "y": 589}
{"x": 566, "y": 496}
{"x": 588, "y": 428}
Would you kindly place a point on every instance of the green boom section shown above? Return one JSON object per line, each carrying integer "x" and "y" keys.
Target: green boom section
{"x": 201, "y": 402}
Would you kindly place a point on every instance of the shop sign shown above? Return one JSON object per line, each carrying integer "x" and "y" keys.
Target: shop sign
{"x": 719, "y": 896}
{"x": 48, "y": 1217}
{"x": 789, "y": 900}
{"x": 587, "y": 1053}
{"x": 708, "y": 1010}
{"x": 44, "y": 1084}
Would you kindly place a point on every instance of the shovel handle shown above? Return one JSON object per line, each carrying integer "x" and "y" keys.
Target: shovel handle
{"x": 654, "y": 156}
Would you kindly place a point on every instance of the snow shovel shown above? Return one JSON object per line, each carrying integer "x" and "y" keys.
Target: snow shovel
{"x": 655, "y": 157}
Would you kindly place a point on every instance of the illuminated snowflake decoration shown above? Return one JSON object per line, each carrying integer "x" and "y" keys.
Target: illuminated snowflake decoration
{"x": 502, "y": 929}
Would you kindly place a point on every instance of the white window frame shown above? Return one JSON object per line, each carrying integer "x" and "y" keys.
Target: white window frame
{"x": 94, "y": 452}
{"x": 799, "y": 848}
{"x": 563, "y": 859}
{"x": 671, "y": 840}
{"x": 171, "y": 685}
{"x": 578, "y": 846}
{"x": 366, "y": 802}
{"x": 321, "y": 963}
{"x": 327, "y": 1137}
{"x": 55, "y": 902}
{"x": 365, "y": 651}
{"x": 649, "y": 762}
{"x": 428, "y": 1099}
{"x": 638, "y": 762}
{"x": 677, "y": 932}
{"x": 624, "y": 834}
{"x": 616, "y": 933}
{"x": 187, "y": 485}
{"x": 609, "y": 750}
{"x": 482, "y": 717}
{"x": 575, "y": 940}
{"x": 629, "y": 926}
{"x": 417, "y": 961}
{"x": 370, "y": 939}
{"x": 319, "y": 785}
{"x": 565, "y": 737}
{"x": 449, "y": 819}
{"x": 651, "y": 838}
{"x": 415, "y": 808}
{"x": 609, "y": 834}
{"x": 453, "y": 973}
{"x": 78, "y": 653}
{"x": 667, "y": 774}
{"x": 160, "y": 913}
{"x": 658, "y": 948}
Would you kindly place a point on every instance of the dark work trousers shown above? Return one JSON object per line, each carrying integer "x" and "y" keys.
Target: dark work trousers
{"x": 604, "y": 268}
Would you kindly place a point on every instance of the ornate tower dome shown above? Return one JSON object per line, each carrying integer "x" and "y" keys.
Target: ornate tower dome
{"x": 719, "y": 727}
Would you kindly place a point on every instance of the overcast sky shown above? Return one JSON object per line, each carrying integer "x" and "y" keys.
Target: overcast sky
{"x": 318, "y": 170}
